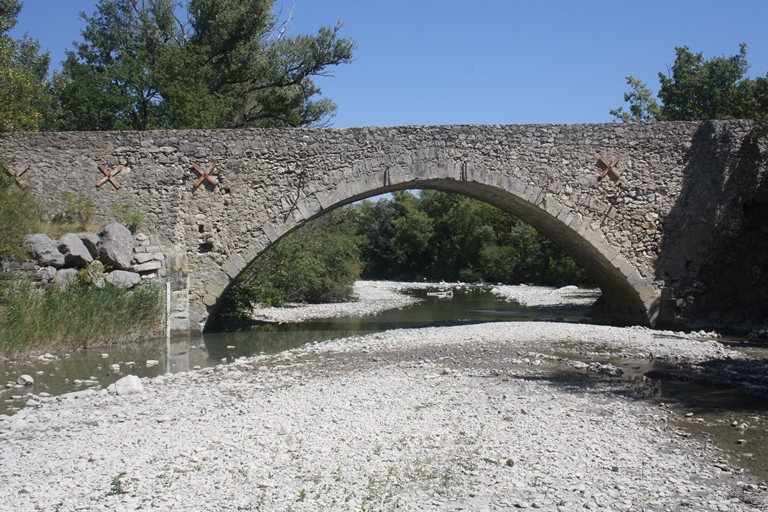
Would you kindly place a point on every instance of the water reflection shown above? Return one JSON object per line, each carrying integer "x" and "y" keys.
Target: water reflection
{"x": 468, "y": 305}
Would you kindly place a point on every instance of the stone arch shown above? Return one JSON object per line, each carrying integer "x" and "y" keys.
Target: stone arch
{"x": 627, "y": 298}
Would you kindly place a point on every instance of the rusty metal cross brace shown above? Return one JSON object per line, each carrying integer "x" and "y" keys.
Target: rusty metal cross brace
{"x": 609, "y": 167}
{"x": 204, "y": 175}
{"x": 18, "y": 174}
{"x": 110, "y": 176}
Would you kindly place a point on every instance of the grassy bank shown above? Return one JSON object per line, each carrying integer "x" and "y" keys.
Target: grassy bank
{"x": 75, "y": 317}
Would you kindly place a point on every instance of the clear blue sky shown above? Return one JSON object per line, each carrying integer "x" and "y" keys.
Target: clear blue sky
{"x": 488, "y": 61}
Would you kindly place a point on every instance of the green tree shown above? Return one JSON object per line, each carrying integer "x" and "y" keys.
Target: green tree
{"x": 695, "y": 89}
{"x": 375, "y": 229}
{"x": 643, "y": 107}
{"x": 319, "y": 262}
{"x": 436, "y": 235}
{"x": 25, "y": 99}
{"x": 413, "y": 233}
{"x": 9, "y": 14}
{"x": 148, "y": 64}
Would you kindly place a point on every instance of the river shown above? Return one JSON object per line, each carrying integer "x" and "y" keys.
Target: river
{"x": 96, "y": 368}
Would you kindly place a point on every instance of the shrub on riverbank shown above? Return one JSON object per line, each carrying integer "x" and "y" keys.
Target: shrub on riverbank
{"x": 318, "y": 263}
{"x": 78, "y": 316}
{"x": 19, "y": 215}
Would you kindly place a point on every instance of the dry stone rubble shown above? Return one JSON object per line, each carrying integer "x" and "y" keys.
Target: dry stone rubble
{"x": 129, "y": 258}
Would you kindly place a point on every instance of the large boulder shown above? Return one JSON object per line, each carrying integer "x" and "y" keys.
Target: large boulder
{"x": 65, "y": 276}
{"x": 76, "y": 254}
{"x": 116, "y": 246}
{"x": 44, "y": 250}
{"x": 128, "y": 385}
{"x": 123, "y": 278}
{"x": 91, "y": 242}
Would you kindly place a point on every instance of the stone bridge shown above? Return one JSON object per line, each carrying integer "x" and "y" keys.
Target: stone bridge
{"x": 667, "y": 218}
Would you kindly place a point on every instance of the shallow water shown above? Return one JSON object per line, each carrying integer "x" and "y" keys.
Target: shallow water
{"x": 93, "y": 368}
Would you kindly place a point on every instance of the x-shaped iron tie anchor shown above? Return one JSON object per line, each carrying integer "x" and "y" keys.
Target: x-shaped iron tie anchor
{"x": 609, "y": 167}
{"x": 18, "y": 174}
{"x": 110, "y": 176}
{"x": 204, "y": 175}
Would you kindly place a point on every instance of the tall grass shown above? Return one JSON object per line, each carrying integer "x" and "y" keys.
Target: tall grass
{"x": 75, "y": 317}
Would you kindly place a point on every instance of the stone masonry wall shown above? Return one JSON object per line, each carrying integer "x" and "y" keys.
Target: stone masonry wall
{"x": 677, "y": 184}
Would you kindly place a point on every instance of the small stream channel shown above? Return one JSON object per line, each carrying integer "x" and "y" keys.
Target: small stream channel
{"x": 731, "y": 418}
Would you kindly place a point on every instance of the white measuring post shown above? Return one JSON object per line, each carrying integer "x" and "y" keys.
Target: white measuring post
{"x": 168, "y": 327}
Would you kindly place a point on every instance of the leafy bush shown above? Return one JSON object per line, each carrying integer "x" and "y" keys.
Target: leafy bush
{"x": 78, "y": 209}
{"x": 19, "y": 216}
{"x": 317, "y": 263}
{"x": 129, "y": 216}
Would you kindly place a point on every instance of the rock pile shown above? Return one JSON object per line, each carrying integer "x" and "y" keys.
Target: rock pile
{"x": 114, "y": 255}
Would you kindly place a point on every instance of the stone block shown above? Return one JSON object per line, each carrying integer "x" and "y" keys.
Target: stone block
{"x": 91, "y": 242}
{"x": 272, "y": 234}
{"x": 65, "y": 276}
{"x": 123, "y": 279}
{"x": 116, "y": 246}
{"x": 554, "y": 207}
{"x": 142, "y": 257}
{"x": 148, "y": 266}
{"x": 230, "y": 269}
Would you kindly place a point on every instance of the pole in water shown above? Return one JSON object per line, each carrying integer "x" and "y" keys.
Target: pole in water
{"x": 168, "y": 327}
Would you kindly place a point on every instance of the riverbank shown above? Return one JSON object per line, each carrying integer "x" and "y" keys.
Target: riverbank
{"x": 372, "y": 297}
{"x": 470, "y": 417}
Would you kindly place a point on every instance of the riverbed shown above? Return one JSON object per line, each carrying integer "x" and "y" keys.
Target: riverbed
{"x": 495, "y": 416}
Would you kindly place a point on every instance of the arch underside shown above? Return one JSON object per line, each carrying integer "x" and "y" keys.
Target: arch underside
{"x": 627, "y": 298}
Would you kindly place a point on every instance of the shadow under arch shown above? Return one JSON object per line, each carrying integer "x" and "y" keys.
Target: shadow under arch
{"x": 627, "y": 298}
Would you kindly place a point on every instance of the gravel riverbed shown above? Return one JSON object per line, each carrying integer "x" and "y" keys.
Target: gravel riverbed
{"x": 373, "y": 297}
{"x": 452, "y": 418}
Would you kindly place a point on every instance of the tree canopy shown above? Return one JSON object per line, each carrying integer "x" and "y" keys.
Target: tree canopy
{"x": 695, "y": 89}
{"x": 155, "y": 64}
{"x": 437, "y": 235}
{"x": 25, "y": 102}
